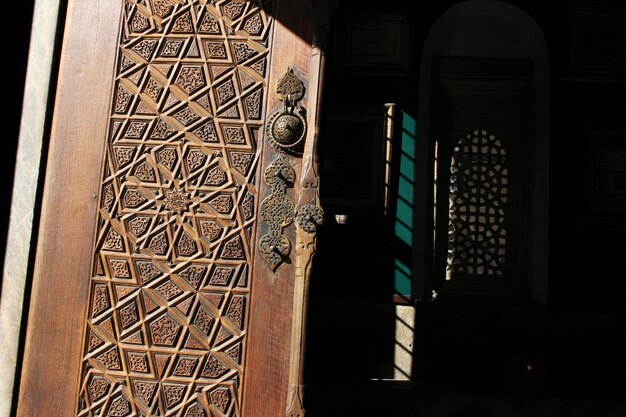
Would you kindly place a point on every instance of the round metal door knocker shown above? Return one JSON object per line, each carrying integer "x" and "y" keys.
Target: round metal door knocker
{"x": 286, "y": 131}
{"x": 286, "y": 128}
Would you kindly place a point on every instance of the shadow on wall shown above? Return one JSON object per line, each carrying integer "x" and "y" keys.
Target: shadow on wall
{"x": 21, "y": 14}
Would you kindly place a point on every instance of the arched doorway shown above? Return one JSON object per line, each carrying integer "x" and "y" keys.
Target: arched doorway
{"x": 484, "y": 65}
{"x": 482, "y": 222}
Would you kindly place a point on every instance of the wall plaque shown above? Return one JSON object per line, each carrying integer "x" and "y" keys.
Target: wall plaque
{"x": 598, "y": 42}
{"x": 372, "y": 45}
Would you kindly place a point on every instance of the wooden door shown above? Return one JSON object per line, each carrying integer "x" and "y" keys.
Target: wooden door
{"x": 179, "y": 212}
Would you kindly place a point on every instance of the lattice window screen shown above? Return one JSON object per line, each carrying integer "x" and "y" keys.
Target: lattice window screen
{"x": 477, "y": 208}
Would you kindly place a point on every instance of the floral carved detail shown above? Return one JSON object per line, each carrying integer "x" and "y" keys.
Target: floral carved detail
{"x": 215, "y": 177}
{"x": 108, "y": 198}
{"x": 235, "y": 310}
{"x": 167, "y": 157}
{"x": 147, "y": 271}
{"x": 259, "y": 66}
{"x": 214, "y": 368}
{"x": 243, "y": 51}
{"x": 122, "y": 100}
{"x": 186, "y": 116}
{"x": 209, "y": 25}
{"x": 139, "y": 225}
{"x": 161, "y": 7}
{"x": 139, "y": 23}
{"x": 145, "y": 390}
{"x": 234, "y": 352}
{"x": 195, "y": 411}
{"x": 254, "y": 25}
{"x": 225, "y": 92}
{"x": 123, "y": 155}
{"x": 113, "y": 241}
{"x": 221, "y": 276}
{"x": 164, "y": 331}
{"x": 137, "y": 362}
{"x": 159, "y": 244}
{"x": 119, "y": 269}
{"x": 242, "y": 161}
{"x": 94, "y": 342}
{"x": 220, "y": 398}
{"x": 100, "y": 300}
{"x": 183, "y": 24}
{"x": 145, "y": 173}
{"x": 234, "y": 135}
{"x": 216, "y": 50}
{"x": 97, "y": 388}
{"x": 222, "y": 203}
{"x": 145, "y": 48}
{"x": 133, "y": 199}
{"x": 195, "y": 159}
{"x": 233, "y": 249}
{"x": 129, "y": 315}
{"x": 119, "y": 408}
{"x": 191, "y": 78}
{"x": 193, "y": 275}
{"x": 173, "y": 394}
{"x": 171, "y": 48}
{"x": 186, "y": 245}
{"x": 169, "y": 290}
{"x": 211, "y": 230}
{"x": 110, "y": 360}
{"x": 248, "y": 206}
{"x": 135, "y": 129}
{"x": 207, "y": 132}
{"x": 185, "y": 366}
{"x": 253, "y": 105}
{"x": 153, "y": 89}
{"x": 162, "y": 131}
{"x": 204, "y": 321}
{"x": 234, "y": 9}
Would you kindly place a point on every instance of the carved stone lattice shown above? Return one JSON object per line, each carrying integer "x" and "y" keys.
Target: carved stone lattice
{"x": 177, "y": 198}
{"x": 479, "y": 188}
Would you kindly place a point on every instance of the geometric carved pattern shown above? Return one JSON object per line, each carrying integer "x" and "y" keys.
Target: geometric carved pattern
{"x": 166, "y": 326}
{"x": 479, "y": 189}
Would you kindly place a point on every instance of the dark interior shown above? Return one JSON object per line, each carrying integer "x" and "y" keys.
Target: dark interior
{"x": 475, "y": 348}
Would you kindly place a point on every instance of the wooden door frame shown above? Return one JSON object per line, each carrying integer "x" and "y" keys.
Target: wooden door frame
{"x": 26, "y": 189}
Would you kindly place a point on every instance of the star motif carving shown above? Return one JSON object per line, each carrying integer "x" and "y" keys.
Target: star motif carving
{"x": 176, "y": 201}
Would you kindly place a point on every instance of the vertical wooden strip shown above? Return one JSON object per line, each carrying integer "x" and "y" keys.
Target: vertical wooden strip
{"x": 270, "y": 339}
{"x": 51, "y": 365}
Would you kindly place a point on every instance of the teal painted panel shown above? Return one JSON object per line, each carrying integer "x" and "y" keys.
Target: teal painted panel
{"x": 403, "y": 227}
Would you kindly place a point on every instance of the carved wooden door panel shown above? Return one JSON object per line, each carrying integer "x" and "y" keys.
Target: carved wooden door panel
{"x": 179, "y": 213}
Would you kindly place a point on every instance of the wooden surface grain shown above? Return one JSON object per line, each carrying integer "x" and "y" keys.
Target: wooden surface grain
{"x": 270, "y": 335}
{"x": 52, "y": 359}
